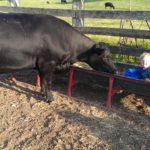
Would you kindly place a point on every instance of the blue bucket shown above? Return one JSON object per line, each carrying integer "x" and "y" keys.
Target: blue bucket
{"x": 133, "y": 73}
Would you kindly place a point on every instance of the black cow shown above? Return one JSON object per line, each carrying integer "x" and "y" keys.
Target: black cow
{"x": 63, "y": 1}
{"x": 46, "y": 43}
{"x": 109, "y": 4}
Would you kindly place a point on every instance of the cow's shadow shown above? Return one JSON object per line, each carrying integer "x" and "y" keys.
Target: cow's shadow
{"x": 21, "y": 90}
{"x": 27, "y": 77}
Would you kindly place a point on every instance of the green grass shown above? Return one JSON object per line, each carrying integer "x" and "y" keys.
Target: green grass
{"x": 143, "y": 5}
{"x": 96, "y": 5}
{"x": 136, "y": 5}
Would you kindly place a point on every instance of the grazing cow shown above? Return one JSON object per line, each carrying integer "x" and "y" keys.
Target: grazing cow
{"x": 109, "y": 4}
{"x": 46, "y": 43}
{"x": 63, "y": 1}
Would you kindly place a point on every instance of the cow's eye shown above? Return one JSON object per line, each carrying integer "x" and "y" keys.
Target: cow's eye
{"x": 109, "y": 56}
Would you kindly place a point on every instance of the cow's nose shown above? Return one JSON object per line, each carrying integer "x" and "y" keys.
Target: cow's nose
{"x": 117, "y": 72}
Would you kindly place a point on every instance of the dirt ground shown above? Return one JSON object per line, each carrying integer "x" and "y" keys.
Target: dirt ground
{"x": 81, "y": 122}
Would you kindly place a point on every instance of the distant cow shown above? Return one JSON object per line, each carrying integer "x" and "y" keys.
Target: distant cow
{"x": 47, "y": 2}
{"x": 47, "y": 46}
{"x": 109, "y": 4}
{"x": 63, "y": 1}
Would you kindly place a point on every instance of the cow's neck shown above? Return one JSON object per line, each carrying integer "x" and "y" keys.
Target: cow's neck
{"x": 84, "y": 48}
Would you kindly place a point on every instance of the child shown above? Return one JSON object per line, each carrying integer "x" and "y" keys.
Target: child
{"x": 143, "y": 72}
{"x": 145, "y": 64}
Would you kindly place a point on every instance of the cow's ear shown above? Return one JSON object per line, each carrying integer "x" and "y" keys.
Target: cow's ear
{"x": 100, "y": 46}
{"x": 103, "y": 46}
{"x": 96, "y": 46}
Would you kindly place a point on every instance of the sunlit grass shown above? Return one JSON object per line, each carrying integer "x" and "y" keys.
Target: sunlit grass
{"x": 142, "y": 5}
{"x": 136, "y": 5}
{"x": 96, "y": 5}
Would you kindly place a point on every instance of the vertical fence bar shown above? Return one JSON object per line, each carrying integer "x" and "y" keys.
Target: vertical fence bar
{"x": 78, "y": 5}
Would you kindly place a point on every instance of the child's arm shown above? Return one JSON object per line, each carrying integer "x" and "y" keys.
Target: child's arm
{"x": 146, "y": 74}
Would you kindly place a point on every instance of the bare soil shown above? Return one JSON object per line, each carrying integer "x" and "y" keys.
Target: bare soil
{"x": 80, "y": 122}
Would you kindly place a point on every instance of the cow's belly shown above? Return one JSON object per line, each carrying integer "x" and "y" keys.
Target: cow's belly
{"x": 14, "y": 61}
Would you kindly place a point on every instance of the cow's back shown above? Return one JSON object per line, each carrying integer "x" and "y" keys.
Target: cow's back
{"x": 18, "y": 42}
{"x": 39, "y": 36}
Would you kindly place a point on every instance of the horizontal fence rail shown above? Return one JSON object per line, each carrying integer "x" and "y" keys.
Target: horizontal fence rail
{"x": 115, "y": 32}
{"x": 124, "y": 50}
{"x": 54, "y": 12}
{"x": 126, "y": 65}
{"x": 135, "y": 15}
{"x": 128, "y": 50}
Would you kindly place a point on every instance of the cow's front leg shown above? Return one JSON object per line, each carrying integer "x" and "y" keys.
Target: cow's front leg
{"x": 46, "y": 84}
{"x": 42, "y": 82}
{"x": 48, "y": 87}
{"x": 46, "y": 71}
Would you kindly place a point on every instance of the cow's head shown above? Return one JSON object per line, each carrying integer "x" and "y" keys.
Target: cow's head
{"x": 99, "y": 58}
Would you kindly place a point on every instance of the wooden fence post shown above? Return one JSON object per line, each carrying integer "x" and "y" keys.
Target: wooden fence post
{"x": 77, "y": 21}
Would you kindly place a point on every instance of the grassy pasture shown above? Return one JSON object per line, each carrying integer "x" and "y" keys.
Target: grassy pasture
{"x": 136, "y": 5}
{"x": 143, "y": 5}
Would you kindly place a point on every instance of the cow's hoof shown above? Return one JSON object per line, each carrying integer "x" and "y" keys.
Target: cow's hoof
{"x": 42, "y": 93}
{"x": 49, "y": 100}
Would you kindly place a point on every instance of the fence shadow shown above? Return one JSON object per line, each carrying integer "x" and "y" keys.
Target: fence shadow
{"x": 22, "y": 90}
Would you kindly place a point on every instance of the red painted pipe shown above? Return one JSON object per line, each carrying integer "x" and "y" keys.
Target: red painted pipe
{"x": 38, "y": 80}
{"x": 110, "y": 92}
